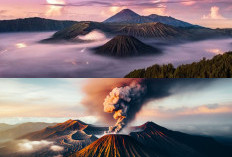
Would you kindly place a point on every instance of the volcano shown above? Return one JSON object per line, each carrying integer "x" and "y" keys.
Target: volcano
{"x": 124, "y": 46}
{"x": 178, "y": 144}
{"x": 115, "y": 146}
{"x": 128, "y": 16}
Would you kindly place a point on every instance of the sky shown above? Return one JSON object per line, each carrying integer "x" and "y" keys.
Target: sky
{"x": 208, "y": 13}
{"x": 57, "y": 100}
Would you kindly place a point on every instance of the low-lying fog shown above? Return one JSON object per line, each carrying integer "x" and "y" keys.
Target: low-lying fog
{"x": 22, "y": 56}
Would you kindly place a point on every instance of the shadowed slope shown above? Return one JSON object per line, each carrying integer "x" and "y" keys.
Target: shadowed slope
{"x": 150, "y": 30}
{"x": 115, "y": 146}
{"x": 123, "y": 46}
{"x": 177, "y": 144}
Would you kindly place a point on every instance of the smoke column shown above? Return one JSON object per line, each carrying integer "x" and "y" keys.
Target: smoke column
{"x": 121, "y": 100}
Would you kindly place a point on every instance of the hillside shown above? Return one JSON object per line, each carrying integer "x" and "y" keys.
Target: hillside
{"x": 124, "y": 46}
{"x": 33, "y": 24}
{"x": 128, "y": 16}
{"x": 73, "y": 135}
{"x": 151, "y": 30}
{"x": 219, "y": 66}
{"x": 65, "y": 128}
{"x": 115, "y": 146}
{"x": 178, "y": 144}
{"x": 16, "y": 131}
{"x": 4, "y": 126}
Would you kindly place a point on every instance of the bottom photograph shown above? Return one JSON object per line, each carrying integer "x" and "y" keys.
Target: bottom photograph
{"x": 115, "y": 117}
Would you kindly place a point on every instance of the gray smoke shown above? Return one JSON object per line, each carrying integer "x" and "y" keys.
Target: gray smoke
{"x": 121, "y": 100}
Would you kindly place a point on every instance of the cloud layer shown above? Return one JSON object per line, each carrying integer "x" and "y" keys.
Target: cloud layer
{"x": 33, "y": 146}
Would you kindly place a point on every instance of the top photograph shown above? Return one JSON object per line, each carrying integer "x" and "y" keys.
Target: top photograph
{"x": 116, "y": 39}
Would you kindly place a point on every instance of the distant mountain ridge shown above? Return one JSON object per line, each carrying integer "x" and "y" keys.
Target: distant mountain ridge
{"x": 128, "y": 16}
{"x": 15, "y": 131}
{"x": 33, "y": 24}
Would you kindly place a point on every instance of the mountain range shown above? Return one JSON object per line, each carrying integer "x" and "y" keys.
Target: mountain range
{"x": 130, "y": 23}
{"x": 128, "y": 16}
{"x": 144, "y": 30}
{"x": 33, "y": 24}
{"x": 80, "y": 139}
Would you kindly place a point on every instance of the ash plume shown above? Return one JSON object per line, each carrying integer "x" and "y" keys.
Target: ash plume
{"x": 122, "y": 99}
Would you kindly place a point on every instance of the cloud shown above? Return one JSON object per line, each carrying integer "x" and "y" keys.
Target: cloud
{"x": 55, "y": 7}
{"x": 214, "y": 14}
{"x": 127, "y": 3}
{"x": 159, "y": 10}
{"x": 3, "y": 12}
{"x": 33, "y": 146}
{"x": 93, "y": 35}
{"x": 188, "y": 3}
{"x": 215, "y": 51}
{"x": 56, "y": 148}
{"x": 116, "y": 9}
{"x": 209, "y": 109}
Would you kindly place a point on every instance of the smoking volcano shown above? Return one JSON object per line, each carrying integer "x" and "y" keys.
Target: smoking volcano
{"x": 124, "y": 102}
